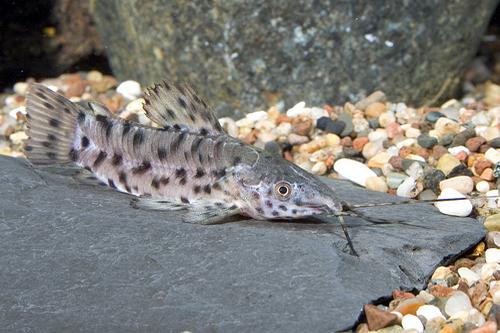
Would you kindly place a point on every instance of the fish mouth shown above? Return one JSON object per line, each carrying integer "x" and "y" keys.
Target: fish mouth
{"x": 320, "y": 207}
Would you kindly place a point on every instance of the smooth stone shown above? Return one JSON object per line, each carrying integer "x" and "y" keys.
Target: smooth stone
{"x": 129, "y": 89}
{"x": 432, "y": 178}
{"x": 455, "y": 208}
{"x": 62, "y": 242}
{"x": 493, "y": 199}
{"x": 461, "y": 138}
{"x": 295, "y": 139}
{"x": 426, "y": 141}
{"x": 492, "y": 155}
{"x": 412, "y": 133}
{"x": 319, "y": 168}
{"x": 297, "y": 110}
{"x": 427, "y": 194}
{"x": 429, "y": 312}
{"x": 446, "y": 140}
{"x": 377, "y": 135}
{"x": 458, "y": 149}
{"x": 395, "y": 179}
{"x": 378, "y": 318}
{"x": 374, "y": 123}
{"x": 355, "y": 171}
{"x": 328, "y": 125}
{"x": 229, "y": 125}
{"x": 332, "y": 140}
{"x": 457, "y": 302}
{"x": 273, "y": 147}
{"x": 492, "y": 222}
{"x": 371, "y": 149}
{"x": 462, "y": 184}
{"x": 377, "y": 97}
{"x": 483, "y": 186}
{"x": 257, "y": 116}
{"x": 446, "y": 126}
{"x": 492, "y": 256}
{"x": 376, "y": 184}
{"x": 414, "y": 170}
{"x": 488, "y": 269}
{"x": 495, "y": 143}
{"x": 411, "y": 322}
{"x": 379, "y": 160}
{"x": 433, "y": 116}
{"x": 346, "y": 118}
{"x": 21, "y": 88}
{"x": 446, "y": 163}
{"x": 386, "y": 118}
{"x": 460, "y": 170}
{"x": 406, "y": 188}
{"x": 469, "y": 276}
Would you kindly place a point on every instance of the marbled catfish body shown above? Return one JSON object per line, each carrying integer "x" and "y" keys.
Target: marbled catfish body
{"x": 187, "y": 163}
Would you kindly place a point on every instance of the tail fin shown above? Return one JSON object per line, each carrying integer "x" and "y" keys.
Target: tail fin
{"x": 52, "y": 125}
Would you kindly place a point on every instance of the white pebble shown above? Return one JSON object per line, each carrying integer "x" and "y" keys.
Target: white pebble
{"x": 458, "y": 149}
{"x": 483, "y": 186}
{"x": 392, "y": 150}
{"x": 317, "y": 113}
{"x": 129, "y": 89}
{"x": 135, "y": 106}
{"x": 411, "y": 322}
{"x": 406, "y": 188}
{"x": 496, "y": 297}
{"x": 355, "y": 171}
{"x": 21, "y": 88}
{"x": 245, "y": 122}
{"x": 493, "y": 199}
{"x": 406, "y": 143}
{"x": 429, "y": 312}
{"x": 377, "y": 135}
{"x": 469, "y": 276}
{"x": 415, "y": 158}
{"x": 487, "y": 271}
{"x": 229, "y": 125}
{"x": 454, "y": 208}
{"x": 18, "y": 137}
{"x": 256, "y": 116}
{"x": 492, "y": 155}
{"x": 283, "y": 129}
{"x": 412, "y": 132}
{"x": 319, "y": 168}
{"x": 492, "y": 256}
{"x": 458, "y": 301}
{"x": 295, "y": 139}
{"x": 13, "y": 113}
{"x": 297, "y": 110}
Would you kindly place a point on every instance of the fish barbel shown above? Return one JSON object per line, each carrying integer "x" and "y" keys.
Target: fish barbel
{"x": 188, "y": 163}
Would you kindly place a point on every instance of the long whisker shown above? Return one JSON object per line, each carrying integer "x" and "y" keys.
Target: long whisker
{"x": 346, "y": 233}
{"x": 413, "y": 202}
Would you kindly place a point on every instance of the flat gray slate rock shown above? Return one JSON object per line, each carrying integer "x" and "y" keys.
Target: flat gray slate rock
{"x": 77, "y": 258}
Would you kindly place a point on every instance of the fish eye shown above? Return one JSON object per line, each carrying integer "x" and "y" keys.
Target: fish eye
{"x": 283, "y": 190}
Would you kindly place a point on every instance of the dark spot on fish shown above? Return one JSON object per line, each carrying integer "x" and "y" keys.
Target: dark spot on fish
{"x": 219, "y": 173}
{"x": 51, "y": 155}
{"x": 180, "y": 172}
{"x": 259, "y": 210}
{"x": 47, "y": 144}
{"x": 155, "y": 183}
{"x": 142, "y": 168}
{"x": 167, "y": 86}
{"x": 184, "y": 200}
{"x": 28, "y": 116}
{"x": 203, "y": 131}
{"x": 28, "y": 148}
{"x": 177, "y": 127}
{"x": 192, "y": 117}
{"x": 126, "y": 128}
{"x": 41, "y": 95}
{"x": 116, "y": 160}
{"x": 101, "y": 118}
{"x": 218, "y": 147}
{"x": 54, "y": 122}
{"x": 195, "y": 145}
{"x": 233, "y": 207}
{"x": 165, "y": 128}
{"x": 164, "y": 180}
{"x": 87, "y": 168}
{"x": 138, "y": 138}
{"x": 182, "y": 181}
{"x": 111, "y": 183}
{"x": 204, "y": 104}
{"x": 178, "y": 141}
{"x": 85, "y": 142}
{"x": 199, "y": 173}
{"x": 216, "y": 186}
{"x": 207, "y": 189}
{"x": 197, "y": 189}
{"x": 171, "y": 113}
{"x": 48, "y": 105}
{"x": 67, "y": 110}
{"x": 237, "y": 160}
{"x": 81, "y": 117}
{"x": 109, "y": 127}
{"x": 269, "y": 192}
{"x": 256, "y": 195}
{"x": 73, "y": 155}
{"x": 136, "y": 189}
{"x": 294, "y": 211}
{"x": 196, "y": 98}
{"x": 51, "y": 137}
{"x": 269, "y": 204}
{"x": 275, "y": 213}
{"x": 162, "y": 153}
{"x": 100, "y": 158}
{"x": 283, "y": 208}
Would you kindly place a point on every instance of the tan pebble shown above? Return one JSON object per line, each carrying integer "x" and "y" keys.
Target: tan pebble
{"x": 446, "y": 126}
{"x": 374, "y": 110}
{"x": 371, "y": 149}
{"x": 18, "y": 137}
{"x": 492, "y": 222}
{"x": 295, "y": 139}
{"x": 75, "y": 89}
{"x": 94, "y": 76}
{"x": 489, "y": 327}
{"x": 273, "y": 113}
{"x": 462, "y": 184}
{"x": 409, "y": 306}
{"x": 319, "y": 168}
{"x": 376, "y": 184}
{"x": 250, "y": 138}
{"x": 447, "y": 162}
{"x": 379, "y": 160}
{"x": 359, "y": 143}
{"x": 377, "y": 96}
{"x": 314, "y": 145}
{"x": 412, "y": 132}
{"x": 330, "y": 161}
{"x": 303, "y": 127}
{"x": 487, "y": 174}
{"x": 332, "y": 140}
{"x": 440, "y": 273}
{"x": 386, "y": 118}
{"x": 491, "y": 133}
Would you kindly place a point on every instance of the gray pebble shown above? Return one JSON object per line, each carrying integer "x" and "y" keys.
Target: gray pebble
{"x": 462, "y": 137}
{"x": 273, "y": 147}
{"x": 426, "y": 141}
{"x": 495, "y": 143}
{"x": 446, "y": 139}
{"x": 432, "y": 178}
{"x": 347, "y": 119}
{"x": 433, "y": 116}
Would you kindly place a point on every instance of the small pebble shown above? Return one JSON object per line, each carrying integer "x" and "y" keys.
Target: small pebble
{"x": 355, "y": 171}
{"x": 446, "y": 163}
{"x": 468, "y": 275}
{"x": 492, "y": 222}
{"x": 426, "y": 141}
{"x": 328, "y": 125}
{"x": 433, "y": 116}
{"x": 458, "y": 301}
{"x": 429, "y": 312}
{"x": 492, "y": 155}
{"x": 492, "y": 256}
{"x": 411, "y": 322}
{"x": 455, "y": 208}
{"x": 483, "y": 186}
{"x": 407, "y": 188}
{"x": 376, "y": 184}
{"x": 462, "y": 184}
{"x": 129, "y": 89}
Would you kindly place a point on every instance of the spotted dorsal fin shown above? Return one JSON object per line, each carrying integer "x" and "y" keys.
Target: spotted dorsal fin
{"x": 168, "y": 104}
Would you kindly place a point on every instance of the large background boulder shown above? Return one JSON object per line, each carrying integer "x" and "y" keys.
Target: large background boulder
{"x": 246, "y": 54}
{"x": 78, "y": 258}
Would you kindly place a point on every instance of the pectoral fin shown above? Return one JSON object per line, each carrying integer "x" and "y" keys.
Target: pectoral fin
{"x": 197, "y": 212}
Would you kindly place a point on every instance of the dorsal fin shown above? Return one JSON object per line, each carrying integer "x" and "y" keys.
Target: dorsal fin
{"x": 169, "y": 104}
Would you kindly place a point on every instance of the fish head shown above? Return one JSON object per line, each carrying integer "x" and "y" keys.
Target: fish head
{"x": 274, "y": 188}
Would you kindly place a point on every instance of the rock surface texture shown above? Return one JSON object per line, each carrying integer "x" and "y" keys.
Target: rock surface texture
{"x": 242, "y": 55}
{"x": 77, "y": 258}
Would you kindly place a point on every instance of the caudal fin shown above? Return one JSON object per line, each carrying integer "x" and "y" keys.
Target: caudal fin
{"x": 52, "y": 125}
